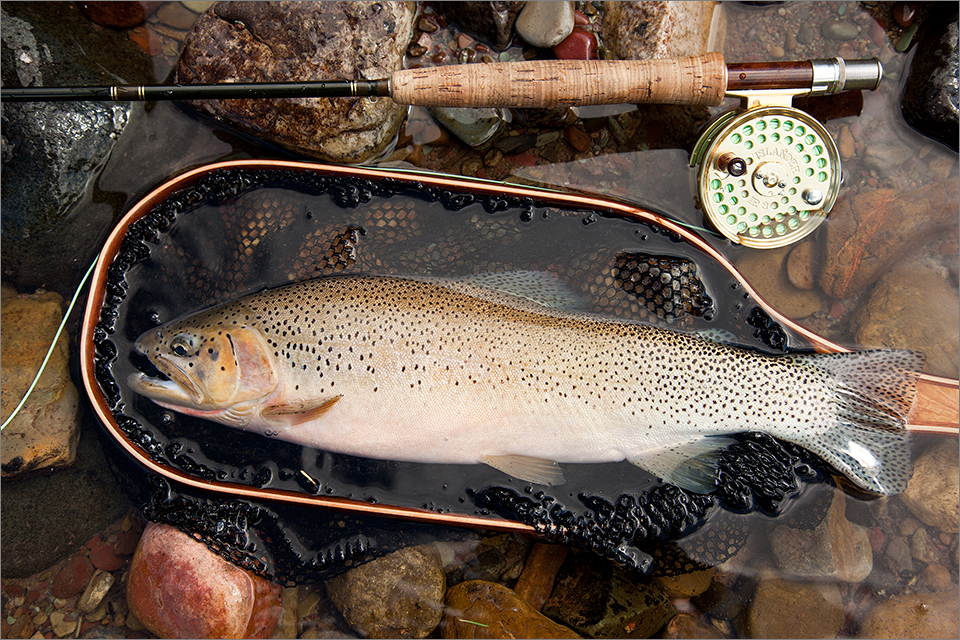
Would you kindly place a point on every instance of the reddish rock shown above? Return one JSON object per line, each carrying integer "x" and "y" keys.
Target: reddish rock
{"x": 578, "y": 138}
{"x": 127, "y": 542}
{"x": 73, "y": 577}
{"x": 119, "y": 15}
{"x": 579, "y": 45}
{"x": 178, "y": 588}
{"x": 102, "y": 555}
{"x": 868, "y": 233}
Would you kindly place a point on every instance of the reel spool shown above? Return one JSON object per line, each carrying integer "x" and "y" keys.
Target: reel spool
{"x": 767, "y": 176}
{"x": 768, "y": 173}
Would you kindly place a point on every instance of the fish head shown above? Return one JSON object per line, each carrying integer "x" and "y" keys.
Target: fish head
{"x": 208, "y": 367}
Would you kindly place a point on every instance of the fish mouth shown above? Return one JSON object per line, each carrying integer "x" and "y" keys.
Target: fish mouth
{"x": 172, "y": 385}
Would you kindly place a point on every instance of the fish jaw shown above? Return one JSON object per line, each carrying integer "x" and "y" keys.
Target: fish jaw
{"x": 178, "y": 390}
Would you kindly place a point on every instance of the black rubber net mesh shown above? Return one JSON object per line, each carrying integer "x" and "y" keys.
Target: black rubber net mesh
{"x": 238, "y": 231}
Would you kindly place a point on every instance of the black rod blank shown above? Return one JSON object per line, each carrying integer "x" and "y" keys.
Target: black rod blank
{"x": 224, "y": 91}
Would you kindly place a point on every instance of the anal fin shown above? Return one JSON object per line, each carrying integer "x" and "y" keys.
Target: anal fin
{"x": 536, "y": 470}
{"x": 690, "y": 465}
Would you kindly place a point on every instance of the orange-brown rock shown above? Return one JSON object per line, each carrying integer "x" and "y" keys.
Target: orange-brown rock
{"x": 479, "y": 609}
{"x": 868, "y": 233}
{"x": 919, "y": 615}
{"x": 45, "y": 433}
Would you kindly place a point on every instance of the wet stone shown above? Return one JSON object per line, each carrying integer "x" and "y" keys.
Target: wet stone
{"x": 891, "y": 316}
{"x": 836, "y": 548}
{"x": 478, "y": 128}
{"x": 601, "y": 600}
{"x": 783, "y": 609}
{"x": 95, "y": 592}
{"x": 932, "y": 494}
{"x": 643, "y": 30}
{"x": 272, "y": 41}
{"x": 46, "y": 431}
{"x": 119, "y": 15}
{"x": 931, "y": 92}
{"x": 686, "y": 585}
{"x": 545, "y": 24}
{"x": 579, "y": 45}
{"x": 178, "y": 588}
{"x": 397, "y": 596}
{"x": 479, "y": 609}
{"x": 868, "y": 233}
{"x": 175, "y": 15}
{"x": 839, "y": 30}
{"x": 920, "y": 615}
{"x": 491, "y": 22}
{"x": 74, "y": 576}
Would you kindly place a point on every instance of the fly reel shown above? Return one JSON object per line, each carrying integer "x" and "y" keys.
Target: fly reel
{"x": 768, "y": 173}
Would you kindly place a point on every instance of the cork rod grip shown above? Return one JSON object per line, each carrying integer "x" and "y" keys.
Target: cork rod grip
{"x": 697, "y": 80}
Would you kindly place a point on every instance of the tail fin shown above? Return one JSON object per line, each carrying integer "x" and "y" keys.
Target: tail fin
{"x": 874, "y": 392}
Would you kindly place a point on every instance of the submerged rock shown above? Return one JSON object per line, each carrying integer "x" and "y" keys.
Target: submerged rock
{"x": 178, "y": 588}
{"x": 912, "y": 307}
{"x": 931, "y": 94}
{"x": 479, "y": 609}
{"x": 835, "y": 549}
{"x": 920, "y": 615}
{"x": 601, "y": 600}
{"x": 53, "y": 153}
{"x": 783, "y": 609}
{"x": 283, "y": 41}
{"x": 869, "y": 232}
{"x": 933, "y": 493}
{"x": 397, "y": 596}
{"x": 491, "y": 22}
{"x": 45, "y": 433}
{"x": 642, "y": 30}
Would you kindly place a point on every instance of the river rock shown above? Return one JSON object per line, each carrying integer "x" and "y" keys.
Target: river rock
{"x": 912, "y": 307}
{"x": 601, "y": 600}
{"x": 178, "y": 588}
{"x": 932, "y": 494}
{"x": 397, "y": 596}
{"x": 919, "y": 615}
{"x": 801, "y": 265}
{"x": 686, "y": 585}
{"x": 480, "y": 609}
{"x": 642, "y": 30}
{"x": 867, "y": 233}
{"x": 545, "y": 24}
{"x": 45, "y": 432}
{"x": 282, "y": 41}
{"x": 931, "y": 94}
{"x": 54, "y": 152}
{"x": 685, "y": 625}
{"x": 839, "y": 30}
{"x": 783, "y": 609}
{"x": 766, "y": 271}
{"x": 836, "y": 549}
{"x": 491, "y": 22}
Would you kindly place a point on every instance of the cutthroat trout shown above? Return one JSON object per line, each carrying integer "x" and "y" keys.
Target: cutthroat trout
{"x": 499, "y": 369}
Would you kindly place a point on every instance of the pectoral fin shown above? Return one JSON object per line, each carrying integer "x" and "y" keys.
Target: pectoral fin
{"x": 536, "y": 470}
{"x": 296, "y": 413}
{"x": 690, "y": 465}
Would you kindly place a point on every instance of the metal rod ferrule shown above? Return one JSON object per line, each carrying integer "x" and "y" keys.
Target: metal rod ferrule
{"x": 833, "y": 75}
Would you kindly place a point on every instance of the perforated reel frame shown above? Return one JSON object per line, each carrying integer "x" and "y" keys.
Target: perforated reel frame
{"x": 766, "y": 176}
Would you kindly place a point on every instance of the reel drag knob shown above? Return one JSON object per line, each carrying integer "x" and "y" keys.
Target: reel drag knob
{"x": 766, "y": 176}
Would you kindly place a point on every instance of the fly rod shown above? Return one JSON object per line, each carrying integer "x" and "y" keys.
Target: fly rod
{"x": 696, "y": 80}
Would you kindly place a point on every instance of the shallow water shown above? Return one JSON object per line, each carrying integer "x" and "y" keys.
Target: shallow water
{"x": 164, "y": 139}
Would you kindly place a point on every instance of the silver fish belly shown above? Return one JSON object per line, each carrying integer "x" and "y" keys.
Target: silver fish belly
{"x": 461, "y": 371}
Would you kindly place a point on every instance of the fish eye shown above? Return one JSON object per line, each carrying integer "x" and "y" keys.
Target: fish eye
{"x": 182, "y": 346}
